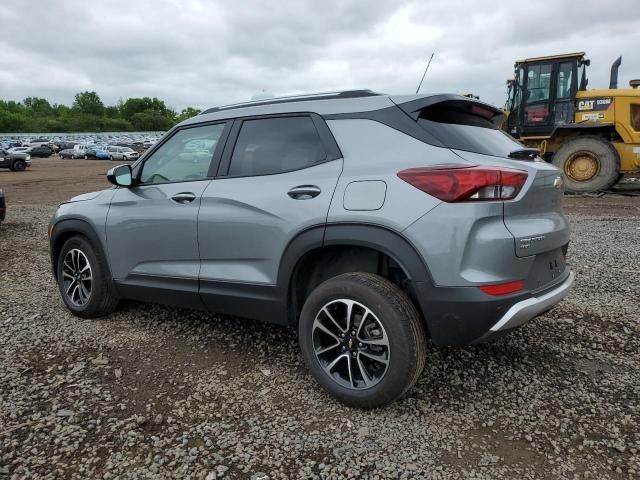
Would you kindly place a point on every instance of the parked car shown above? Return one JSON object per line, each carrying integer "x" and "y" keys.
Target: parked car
{"x": 17, "y": 161}
{"x": 18, "y": 150}
{"x": 363, "y": 220}
{"x": 122, "y": 153}
{"x": 71, "y": 153}
{"x": 102, "y": 154}
{"x": 42, "y": 151}
{"x": 3, "y": 206}
{"x": 88, "y": 152}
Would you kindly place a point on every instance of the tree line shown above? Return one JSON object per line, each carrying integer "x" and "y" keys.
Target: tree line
{"x": 89, "y": 114}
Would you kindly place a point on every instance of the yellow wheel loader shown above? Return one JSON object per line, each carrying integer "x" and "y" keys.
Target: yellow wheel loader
{"x": 593, "y": 136}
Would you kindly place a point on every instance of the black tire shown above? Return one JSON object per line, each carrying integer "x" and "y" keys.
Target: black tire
{"x": 101, "y": 299}
{"x": 597, "y": 149}
{"x": 19, "y": 166}
{"x": 400, "y": 323}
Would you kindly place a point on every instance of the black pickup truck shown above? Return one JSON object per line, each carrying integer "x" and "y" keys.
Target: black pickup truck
{"x": 17, "y": 162}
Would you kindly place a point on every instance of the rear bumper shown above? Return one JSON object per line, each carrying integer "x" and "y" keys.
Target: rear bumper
{"x": 465, "y": 315}
{"x": 525, "y": 310}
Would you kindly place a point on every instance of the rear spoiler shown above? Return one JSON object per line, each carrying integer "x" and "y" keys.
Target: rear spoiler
{"x": 413, "y": 105}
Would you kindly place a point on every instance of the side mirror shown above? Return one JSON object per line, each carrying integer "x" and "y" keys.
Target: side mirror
{"x": 121, "y": 176}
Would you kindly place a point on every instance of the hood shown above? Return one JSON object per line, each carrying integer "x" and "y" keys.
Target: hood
{"x": 85, "y": 196}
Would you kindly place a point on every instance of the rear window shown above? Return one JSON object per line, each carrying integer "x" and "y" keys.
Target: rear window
{"x": 466, "y": 126}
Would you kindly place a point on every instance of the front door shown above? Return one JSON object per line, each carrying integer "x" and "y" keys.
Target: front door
{"x": 152, "y": 237}
{"x": 277, "y": 182}
{"x": 537, "y": 114}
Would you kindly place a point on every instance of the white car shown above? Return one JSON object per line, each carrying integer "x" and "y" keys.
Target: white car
{"x": 19, "y": 150}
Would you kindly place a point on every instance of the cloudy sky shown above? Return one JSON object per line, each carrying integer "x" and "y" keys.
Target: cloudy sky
{"x": 212, "y": 52}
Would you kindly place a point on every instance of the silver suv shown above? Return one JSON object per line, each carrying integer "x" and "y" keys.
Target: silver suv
{"x": 369, "y": 222}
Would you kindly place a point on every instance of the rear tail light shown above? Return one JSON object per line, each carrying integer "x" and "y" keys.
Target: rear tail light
{"x": 503, "y": 288}
{"x": 466, "y": 184}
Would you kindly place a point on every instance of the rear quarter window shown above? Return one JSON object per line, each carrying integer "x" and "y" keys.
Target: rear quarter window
{"x": 465, "y": 126}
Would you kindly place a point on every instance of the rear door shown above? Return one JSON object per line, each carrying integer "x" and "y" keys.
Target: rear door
{"x": 152, "y": 238}
{"x": 277, "y": 178}
{"x": 566, "y": 85}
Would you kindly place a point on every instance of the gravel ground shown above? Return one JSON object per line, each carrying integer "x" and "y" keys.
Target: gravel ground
{"x": 156, "y": 392}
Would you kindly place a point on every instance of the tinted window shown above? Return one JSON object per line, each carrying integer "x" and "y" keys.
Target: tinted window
{"x": 186, "y": 155}
{"x": 538, "y": 83}
{"x": 274, "y": 145}
{"x": 458, "y": 127}
{"x": 565, "y": 73}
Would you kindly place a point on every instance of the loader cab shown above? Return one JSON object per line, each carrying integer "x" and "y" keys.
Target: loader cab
{"x": 542, "y": 94}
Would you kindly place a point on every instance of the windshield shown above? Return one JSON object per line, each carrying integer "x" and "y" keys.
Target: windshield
{"x": 461, "y": 130}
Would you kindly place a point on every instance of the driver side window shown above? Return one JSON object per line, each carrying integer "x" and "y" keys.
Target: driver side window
{"x": 187, "y": 155}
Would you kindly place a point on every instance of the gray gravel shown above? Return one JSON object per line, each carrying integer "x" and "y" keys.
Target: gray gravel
{"x": 155, "y": 392}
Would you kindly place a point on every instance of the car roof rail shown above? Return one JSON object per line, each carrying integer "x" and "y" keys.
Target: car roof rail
{"x": 296, "y": 98}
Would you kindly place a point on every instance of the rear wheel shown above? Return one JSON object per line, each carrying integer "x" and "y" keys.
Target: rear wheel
{"x": 82, "y": 280}
{"x": 19, "y": 166}
{"x": 362, "y": 339}
{"x": 589, "y": 164}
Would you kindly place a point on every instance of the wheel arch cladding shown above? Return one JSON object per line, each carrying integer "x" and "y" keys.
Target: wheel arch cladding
{"x": 318, "y": 241}
{"x": 67, "y": 228}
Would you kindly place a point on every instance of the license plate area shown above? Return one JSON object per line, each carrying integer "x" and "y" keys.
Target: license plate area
{"x": 547, "y": 267}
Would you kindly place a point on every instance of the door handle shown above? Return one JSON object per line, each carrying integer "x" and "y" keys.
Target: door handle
{"x": 183, "y": 197}
{"x": 304, "y": 192}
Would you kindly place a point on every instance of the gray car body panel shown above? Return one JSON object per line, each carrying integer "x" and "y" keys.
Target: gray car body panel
{"x": 148, "y": 234}
{"x": 258, "y": 222}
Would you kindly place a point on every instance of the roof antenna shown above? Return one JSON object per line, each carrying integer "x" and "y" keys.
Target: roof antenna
{"x": 425, "y": 72}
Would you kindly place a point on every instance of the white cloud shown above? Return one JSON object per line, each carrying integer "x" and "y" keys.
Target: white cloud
{"x": 206, "y": 53}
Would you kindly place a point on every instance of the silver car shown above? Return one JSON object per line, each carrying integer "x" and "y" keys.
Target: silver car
{"x": 365, "y": 221}
{"x": 122, "y": 153}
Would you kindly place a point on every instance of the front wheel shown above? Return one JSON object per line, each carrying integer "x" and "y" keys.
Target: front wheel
{"x": 19, "y": 166}
{"x": 82, "y": 281}
{"x": 362, "y": 339}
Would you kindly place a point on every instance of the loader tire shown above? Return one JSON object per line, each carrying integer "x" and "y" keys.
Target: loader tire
{"x": 588, "y": 164}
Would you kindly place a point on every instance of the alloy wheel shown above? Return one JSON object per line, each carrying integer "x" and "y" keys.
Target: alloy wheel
{"x": 77, "y": 277}
{"x": 351, "y": 344}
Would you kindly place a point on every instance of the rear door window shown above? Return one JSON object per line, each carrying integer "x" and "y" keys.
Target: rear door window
{"x": 275, "y": 145}
{"x": 466, "y": 126}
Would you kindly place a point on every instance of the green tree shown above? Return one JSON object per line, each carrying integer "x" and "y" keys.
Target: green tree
{"x": 150, "y": 120}
{"x": 187, "y": 113}
{"x": 133, "y": 106}
{"x": 88, "y": 103}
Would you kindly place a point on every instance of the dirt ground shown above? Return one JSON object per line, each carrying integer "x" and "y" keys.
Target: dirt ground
{"x": 52, "y": 180}
{"x": 159, "y": 392}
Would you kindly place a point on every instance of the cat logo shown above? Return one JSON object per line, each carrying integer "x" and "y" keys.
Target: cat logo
{"x": 594, "y": 104}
